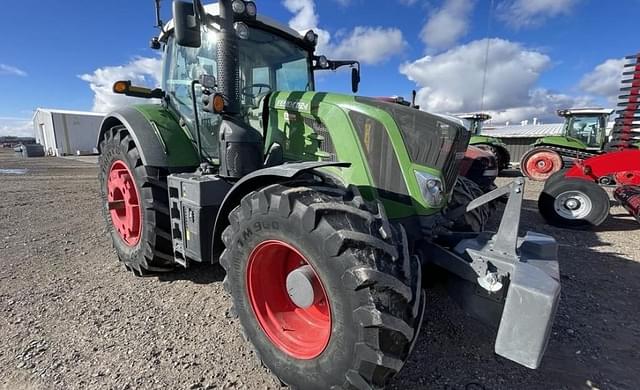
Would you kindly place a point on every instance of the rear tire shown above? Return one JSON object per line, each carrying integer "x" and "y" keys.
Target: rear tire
{"x": 574, "y": 203}
{"x": 372, "y": 285}
{"x": 152, "y": 252}
{"x": 540, "y": 163}
{"x": 501, "y": 155}
{"x": 463, "y": 193}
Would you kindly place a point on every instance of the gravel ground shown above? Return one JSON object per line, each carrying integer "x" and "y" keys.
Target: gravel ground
{"x": 72, "y": 318}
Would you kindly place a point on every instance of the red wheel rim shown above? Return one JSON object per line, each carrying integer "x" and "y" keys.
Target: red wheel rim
{"x": 301, "y": 333}
{"x": 124, "y": 203}
{"x": 541, "y": 165}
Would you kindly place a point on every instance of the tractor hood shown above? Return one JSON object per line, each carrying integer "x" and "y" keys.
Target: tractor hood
{"x": 432, "y": 140}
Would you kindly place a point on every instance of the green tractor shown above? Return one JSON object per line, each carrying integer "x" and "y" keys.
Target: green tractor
{"x": 323, "y": 209}
{"x": 491, "y": 144}
{"x": 584, "y": 135}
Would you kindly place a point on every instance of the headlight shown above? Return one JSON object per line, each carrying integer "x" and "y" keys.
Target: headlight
{"x": 431, "y": 188}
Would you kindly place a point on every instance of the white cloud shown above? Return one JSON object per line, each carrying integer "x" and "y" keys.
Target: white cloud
{"x": 141, "y": 71}
{"x": 447, "y": 24}
{"x": 408, "y": 2}
{"x": 530, "y": 13}
{"x": 8, "y": 70}
{"x": 16, "y": 126}
{"x": 451, "y": 82}
{"x": 370, "y": 45}
{"x": 305, "y": 18}
{"x": 604, "y": 80}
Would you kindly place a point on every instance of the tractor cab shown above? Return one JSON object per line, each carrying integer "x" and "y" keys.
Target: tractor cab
{"x": 245, "y": 56}
{"x": 475, "y": 122}
{"x": 587, "y": 126}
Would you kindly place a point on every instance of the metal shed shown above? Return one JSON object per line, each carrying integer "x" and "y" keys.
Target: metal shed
{"x": 519, "y": 138}
{"x": 64, "y": 132}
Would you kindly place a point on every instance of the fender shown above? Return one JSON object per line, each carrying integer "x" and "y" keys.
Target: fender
{"x": 159, "y": 137}
{"x": 253, "y": 181}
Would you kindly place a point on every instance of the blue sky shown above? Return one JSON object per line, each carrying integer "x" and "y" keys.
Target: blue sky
{"x": 543, "y": 53}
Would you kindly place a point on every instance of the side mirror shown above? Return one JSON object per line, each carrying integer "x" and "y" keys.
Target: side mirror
{"x": 187, "y": 24}
{"x": 124, "y": 87}
{"x": 355, "y": 79}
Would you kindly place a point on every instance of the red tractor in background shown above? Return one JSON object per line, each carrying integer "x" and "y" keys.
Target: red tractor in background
{"x": 574, "y": 197}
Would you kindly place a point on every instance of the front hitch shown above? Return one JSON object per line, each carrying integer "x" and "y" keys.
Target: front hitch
{"x": 517, "y": 279}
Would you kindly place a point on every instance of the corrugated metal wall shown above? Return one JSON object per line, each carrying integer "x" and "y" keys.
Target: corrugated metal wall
{"x": 518, "y": 146}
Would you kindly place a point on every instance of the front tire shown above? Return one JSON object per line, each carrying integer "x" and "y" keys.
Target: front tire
{"x": 139, "y": 231}
{"x": 465, "y": 191}
{"x": 573, "y": 203}
{"x": 369, "y": 303}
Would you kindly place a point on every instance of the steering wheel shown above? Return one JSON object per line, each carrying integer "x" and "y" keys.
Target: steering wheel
{"x": 248, "y": 90}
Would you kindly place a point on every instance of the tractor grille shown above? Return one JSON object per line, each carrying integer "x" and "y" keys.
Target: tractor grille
{"x": 431, "y": 140}
{"x": 381, "y": 158}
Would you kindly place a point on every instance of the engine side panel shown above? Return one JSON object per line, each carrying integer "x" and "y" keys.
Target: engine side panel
{"x": 324, "y": 127}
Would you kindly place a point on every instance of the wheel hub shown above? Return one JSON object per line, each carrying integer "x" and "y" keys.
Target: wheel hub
{"x": 573, "y": 205}
{"x": 288, "y": 299}
{"x": 542, "y": 164}
{"x": 124, "y": 203}
{"x": 303, "y": 287}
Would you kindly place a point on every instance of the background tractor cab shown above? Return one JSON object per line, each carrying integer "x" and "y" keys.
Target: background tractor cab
{"x": 492, "y": 144}
{"x": 584, "y": 134}
{"x": 586, "y": 128}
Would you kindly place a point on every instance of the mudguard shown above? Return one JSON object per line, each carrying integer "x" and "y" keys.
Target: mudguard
{"x": 159, "y": 137}
{"x": 255, "y": 180}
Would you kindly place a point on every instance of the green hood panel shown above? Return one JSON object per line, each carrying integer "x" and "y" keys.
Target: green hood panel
{"x": 561, "y": 141}
{"x": 333, "y": 127}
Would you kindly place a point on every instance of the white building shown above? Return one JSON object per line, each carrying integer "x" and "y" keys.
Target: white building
{"x": 64, "y": 132}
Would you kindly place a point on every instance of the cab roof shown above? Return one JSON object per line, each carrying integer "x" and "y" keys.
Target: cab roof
{"x": 214, "y": 10}
{"x": 584, "y": 111}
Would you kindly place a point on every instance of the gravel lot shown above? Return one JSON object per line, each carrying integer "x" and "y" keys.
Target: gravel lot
{"x": 72, "y": 318}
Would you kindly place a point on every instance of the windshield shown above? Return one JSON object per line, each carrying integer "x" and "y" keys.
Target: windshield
{"x": 268, "y": 62}
{"x": 587, "y": 129}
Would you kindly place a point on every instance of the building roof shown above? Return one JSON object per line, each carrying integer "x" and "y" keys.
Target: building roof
{"x": 524, "y": 131}
{"x": 69, "y": 112}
